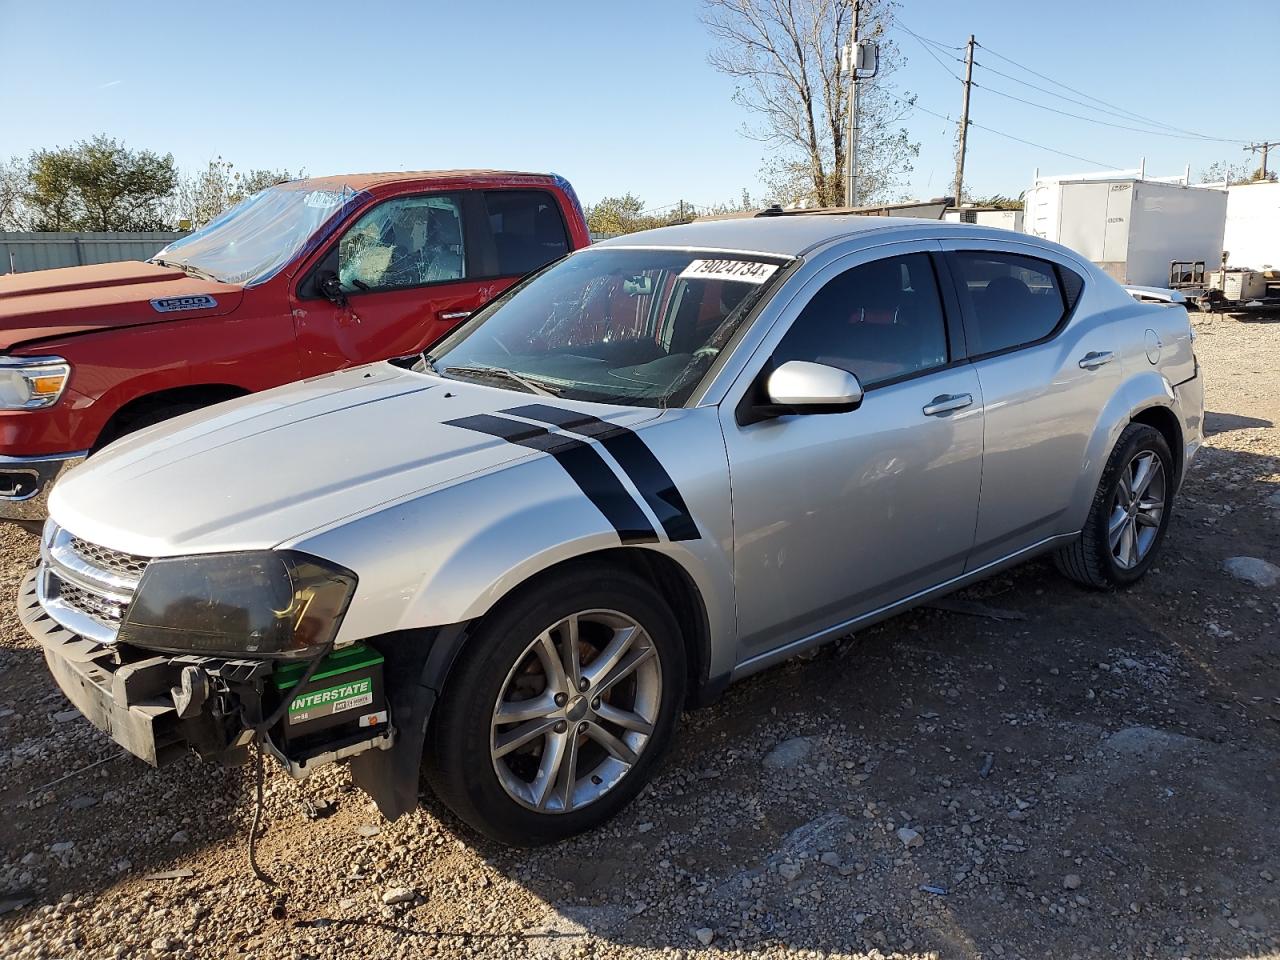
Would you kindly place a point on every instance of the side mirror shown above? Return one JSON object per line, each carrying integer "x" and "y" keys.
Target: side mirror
{"x": 331, "y": 289}
{"x": 799, "y": 386}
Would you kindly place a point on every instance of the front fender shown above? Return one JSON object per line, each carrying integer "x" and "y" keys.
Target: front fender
{"x": 449, "y": 555}
{"x": 1138, "y": 393}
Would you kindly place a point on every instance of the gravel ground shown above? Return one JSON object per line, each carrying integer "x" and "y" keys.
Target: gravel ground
{"x": 1095, "y": 774}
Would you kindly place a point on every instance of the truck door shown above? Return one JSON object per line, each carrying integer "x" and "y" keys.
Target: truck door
{"x": 407, "y": 274}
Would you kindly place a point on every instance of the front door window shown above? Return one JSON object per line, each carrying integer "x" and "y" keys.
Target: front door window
{"x": 407, "y": 242}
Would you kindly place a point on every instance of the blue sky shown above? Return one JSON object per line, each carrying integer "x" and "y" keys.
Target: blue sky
{"x": 616, "y": 96}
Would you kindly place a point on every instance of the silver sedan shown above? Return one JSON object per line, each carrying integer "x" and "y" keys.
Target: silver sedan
{"x": 656, "y": 466}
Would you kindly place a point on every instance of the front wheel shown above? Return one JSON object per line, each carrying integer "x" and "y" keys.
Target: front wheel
{"x": 1129, "y": 515}
{"x": 560, "y": 707}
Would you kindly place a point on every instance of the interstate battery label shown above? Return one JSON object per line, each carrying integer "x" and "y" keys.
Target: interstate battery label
{"x": 331, "y": 700}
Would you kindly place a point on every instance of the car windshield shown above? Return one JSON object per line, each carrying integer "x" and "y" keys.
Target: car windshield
{"x": 625, "y": 326}
{"x": 251, "y": 242}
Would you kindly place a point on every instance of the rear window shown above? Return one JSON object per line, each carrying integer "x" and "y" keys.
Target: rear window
{"x": 1013, "y": 300}
{"x": 528, "y": 231}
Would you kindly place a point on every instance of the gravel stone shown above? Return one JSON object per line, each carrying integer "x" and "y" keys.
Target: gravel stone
{"x": 1254, "y": 570}
{"x": 788, "y": 754}
{"x": 910, "y": 838}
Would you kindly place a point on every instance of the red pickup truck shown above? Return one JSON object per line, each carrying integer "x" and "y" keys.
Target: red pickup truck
{"x": 303, "y": 278}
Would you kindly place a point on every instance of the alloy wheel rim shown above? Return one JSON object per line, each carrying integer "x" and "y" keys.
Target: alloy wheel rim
{"x": 576, "y": 711}
{"x": 1137, "y": 510}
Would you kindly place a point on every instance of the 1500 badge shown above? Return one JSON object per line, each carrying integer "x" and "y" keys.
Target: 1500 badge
{"x": 175, "y": 304}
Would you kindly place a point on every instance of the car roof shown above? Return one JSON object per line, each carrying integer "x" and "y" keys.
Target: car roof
{"x": 789, "y": 235}
{"x": 366, "y": 181}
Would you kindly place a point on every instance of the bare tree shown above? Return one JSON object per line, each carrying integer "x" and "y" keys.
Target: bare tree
{"x": 14, "y": 178}
{"x": 785, "y": 56}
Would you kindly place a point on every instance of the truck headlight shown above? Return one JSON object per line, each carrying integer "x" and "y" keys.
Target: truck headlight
{"x": 30, "y": 382}
{"x": 267, "y": 603}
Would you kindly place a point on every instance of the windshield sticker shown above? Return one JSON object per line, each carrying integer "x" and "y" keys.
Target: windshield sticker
{"x": 174, "y": 304}
{"x": 744, "y": 271}
{"x": 323, "y": 198}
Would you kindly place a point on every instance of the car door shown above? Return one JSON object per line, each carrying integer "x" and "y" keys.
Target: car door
{"x": 1045, "y": 379}
{"x": 836, "y": 515}
{"x": 410, "y": 269}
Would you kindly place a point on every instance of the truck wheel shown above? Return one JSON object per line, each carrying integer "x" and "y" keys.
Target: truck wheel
{"x": 146, "y": 417}
{"x": 1129, "y": 516}
{"x": 559, "y": 708}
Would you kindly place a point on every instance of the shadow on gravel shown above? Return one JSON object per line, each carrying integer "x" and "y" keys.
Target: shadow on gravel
{"x": 1094, "y": 775}
{"x": 1215, "y": 423}
{"x": 1097, "y": 777}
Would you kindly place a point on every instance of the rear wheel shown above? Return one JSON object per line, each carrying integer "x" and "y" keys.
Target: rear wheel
{"x": 559, "y": 709}
{"x": 1129, "y": 515}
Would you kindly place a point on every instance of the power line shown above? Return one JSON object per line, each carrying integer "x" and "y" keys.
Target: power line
{"x": 1001, "y": 133}
{"x": 937, "y": 43}
{"x": 925, "y": 47}
{"x": 1122, "y": 114}
{"x": 1099, "y": 100}
{"x": 1077, "y": 116}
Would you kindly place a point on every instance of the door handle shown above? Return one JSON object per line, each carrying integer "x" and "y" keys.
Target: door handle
{"x": 946, "y": 402}
{"x": 1096, "y": 359}
{"x": 454, "y": 314}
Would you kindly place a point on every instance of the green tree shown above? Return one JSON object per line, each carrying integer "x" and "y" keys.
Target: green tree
{"x": 614, "y": 215}
{"x": 1233, "y": 173}
{"x": 200, "y": 197}
{"x": 99, "y": 184}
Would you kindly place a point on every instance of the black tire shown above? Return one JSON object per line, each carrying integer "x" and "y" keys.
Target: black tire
{"x": 457, "y": 761}
{"x": 146, "y": 417}
{"x": 1089, "y": 560}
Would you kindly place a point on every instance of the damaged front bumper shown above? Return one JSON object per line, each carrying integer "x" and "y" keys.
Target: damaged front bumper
{"x": 160, "y": 706}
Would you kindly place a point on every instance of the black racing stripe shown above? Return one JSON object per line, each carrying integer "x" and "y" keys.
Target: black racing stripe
{"x": 633, "y": 455}
{"x": 585, "y": 467}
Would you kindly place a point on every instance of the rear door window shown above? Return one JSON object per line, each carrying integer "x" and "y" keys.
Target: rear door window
{"x": 1012, "y": 300}
{"x": 528, "y": 231}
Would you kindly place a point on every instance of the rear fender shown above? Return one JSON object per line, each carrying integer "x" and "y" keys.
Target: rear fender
{"x": 1141, "y": 392}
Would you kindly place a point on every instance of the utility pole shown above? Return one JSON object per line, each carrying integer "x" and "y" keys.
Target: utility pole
{"x": 851, "y": 152}
{"x": 1263, "y": 148}
{"x": 964, "y": 122}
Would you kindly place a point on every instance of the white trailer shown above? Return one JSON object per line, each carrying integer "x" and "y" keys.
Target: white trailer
{"x": 986, "y": 217}
{"x": 1252, "y": 238}
{"x": 1133, "y": 227}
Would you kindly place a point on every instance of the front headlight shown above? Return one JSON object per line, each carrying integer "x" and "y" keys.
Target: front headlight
{"x": 30, "y": 382}
{"x": 268, "y": 603}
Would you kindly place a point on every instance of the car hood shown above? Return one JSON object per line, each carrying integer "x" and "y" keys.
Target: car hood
{"x": 104, "y": 296}
{"x": 255, "y": 472}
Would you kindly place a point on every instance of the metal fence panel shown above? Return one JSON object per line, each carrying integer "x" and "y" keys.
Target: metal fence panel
{"x": 24, "y": 251}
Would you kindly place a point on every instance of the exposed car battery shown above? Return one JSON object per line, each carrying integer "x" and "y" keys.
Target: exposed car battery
{"x": 343, "y": 703}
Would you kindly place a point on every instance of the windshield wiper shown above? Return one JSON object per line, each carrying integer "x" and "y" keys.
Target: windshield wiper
{"x": 193, "y": 271}
{"x": 188, "y": 269}
{"x": 530, "y": 384}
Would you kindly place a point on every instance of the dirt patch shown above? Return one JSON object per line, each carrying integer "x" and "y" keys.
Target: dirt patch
{"x": 1097, "y": 778}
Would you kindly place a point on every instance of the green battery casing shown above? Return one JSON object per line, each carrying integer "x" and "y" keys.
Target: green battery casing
{"x": 344, "y": 701}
